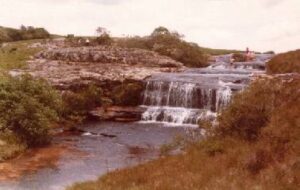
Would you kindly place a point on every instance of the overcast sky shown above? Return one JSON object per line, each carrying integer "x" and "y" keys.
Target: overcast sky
{"x": 260, "y": 24}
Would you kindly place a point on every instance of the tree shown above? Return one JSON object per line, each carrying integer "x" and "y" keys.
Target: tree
{"x": 103, "y": 36}
{"x": 160, "y": 31}
{"x": 102, "y": 31}
{"x": 23, "y": 28}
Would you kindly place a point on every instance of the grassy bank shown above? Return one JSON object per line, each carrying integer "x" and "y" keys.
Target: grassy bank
{"x": 255, "y": 145}
{"x": 285, "y": 63}
{"x": 14, "y": 55}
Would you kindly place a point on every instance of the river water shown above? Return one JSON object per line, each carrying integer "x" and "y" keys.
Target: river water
{"x": 173, "y": 102}
{"x": 79, "y": 157}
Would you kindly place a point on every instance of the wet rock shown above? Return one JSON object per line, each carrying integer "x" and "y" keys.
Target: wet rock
{"x": 116, "y": 113}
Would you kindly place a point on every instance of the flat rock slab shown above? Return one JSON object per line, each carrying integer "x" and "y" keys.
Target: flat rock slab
{"x": 117, "y": 113}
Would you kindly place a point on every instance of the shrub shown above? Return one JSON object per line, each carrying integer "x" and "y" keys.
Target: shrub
{"x": 169, "y": 44}
{"x": 127, "y": 94}
{"x": 250, "y": 110}
{"x": 25, "y": 33}
{"x": 79, "y": 101}
{"x": 239, "y": 57}
{"x": 104, "y": 39}
{"x": 28, "y": 107}
{"x": 285, "y": 63}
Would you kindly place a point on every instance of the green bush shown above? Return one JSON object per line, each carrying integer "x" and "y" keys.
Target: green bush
{"x": 28, "y": 107}
{"x": 127, "y": 94}
{"x": 169, "y": 44}
{"x": 239, "y": 57}
{"x": 24, "y": 33}
{"x": 104, "y": 39}
{"x": 285, "y": 63}
{"x": 79, "y": 101}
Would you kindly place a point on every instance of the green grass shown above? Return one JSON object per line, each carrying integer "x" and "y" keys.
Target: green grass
{"x": 15, "y": 54}
{"x": 212, "y": 51}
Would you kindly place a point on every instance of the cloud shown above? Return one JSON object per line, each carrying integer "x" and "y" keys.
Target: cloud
{"x": 271, "y": 3}
{"x": 232, "y": 24}
{"x": 108, "y": 2}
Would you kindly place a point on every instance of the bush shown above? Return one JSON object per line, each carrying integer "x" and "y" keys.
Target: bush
{"x": 250, "y": 110}
{"x": 79, "y": 101}
{"x": 104, "y": 39}
{"x": 285, "y": 63}
{"x": 127, "y": 94}
{"x": 28, "y": 108}
{"x": 25, "y": 33}
{"x": 169, "y": 44}
{"x": 239, "y": 57}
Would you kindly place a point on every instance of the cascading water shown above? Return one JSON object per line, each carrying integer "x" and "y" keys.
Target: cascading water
{"x": 187, "y": 97}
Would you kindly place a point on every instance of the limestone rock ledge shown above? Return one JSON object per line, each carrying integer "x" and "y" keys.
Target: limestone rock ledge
{"x": 65, "y": 67}
{"x": 117, "y": 113}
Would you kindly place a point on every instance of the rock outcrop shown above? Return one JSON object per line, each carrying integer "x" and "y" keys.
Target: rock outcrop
{"x": 65, "y": 67}
{"x": 109, "y": 54}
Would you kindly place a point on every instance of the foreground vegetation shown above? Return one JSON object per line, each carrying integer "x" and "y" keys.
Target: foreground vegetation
{"x": 285, "y": 63}
{"x": 28, "y": 107}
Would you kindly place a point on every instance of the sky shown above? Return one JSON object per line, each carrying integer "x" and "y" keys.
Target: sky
{"x": 261, "y": 25}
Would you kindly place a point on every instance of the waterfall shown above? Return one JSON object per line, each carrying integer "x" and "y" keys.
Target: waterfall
{"x": 182, "y": 103}
{"x": 188, "y": 97}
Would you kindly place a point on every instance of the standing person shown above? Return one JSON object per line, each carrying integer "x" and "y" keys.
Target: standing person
{"x": 248, "y": 54}
{"x": 231, "y": 60}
